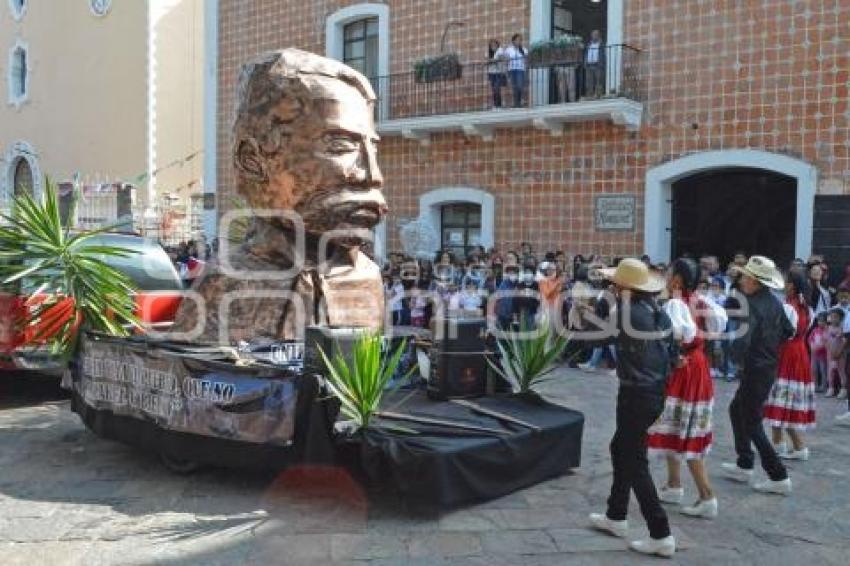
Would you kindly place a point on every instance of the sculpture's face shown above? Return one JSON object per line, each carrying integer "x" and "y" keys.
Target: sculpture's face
{"x": 324, "y": 166}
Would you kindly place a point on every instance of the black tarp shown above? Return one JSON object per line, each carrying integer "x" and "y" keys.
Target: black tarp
{"x": 444, "y": 467}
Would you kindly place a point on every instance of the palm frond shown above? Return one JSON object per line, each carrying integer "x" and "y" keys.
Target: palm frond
{"x": 75, "y": 287}
{"x": 360, "y": 383}
{"x": 527, "y": 361}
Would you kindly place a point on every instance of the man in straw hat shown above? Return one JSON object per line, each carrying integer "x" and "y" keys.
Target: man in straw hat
{"x": 645, "y": 352}
{"x": 763, "y": 329}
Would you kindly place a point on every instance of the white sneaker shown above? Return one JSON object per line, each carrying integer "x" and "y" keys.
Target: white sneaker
{"x": 586, "y": 367}
{"x": 843, "y": 420}
{"x": 842, "y": 394}
{"x": 733, "y": 472}
{"x": 777, "y": 487}
{"x": 602, "y": 523}
{"x": 802, "y": 454}
{"x": 715, "y": 373}
{"x": 665, "y": 547}
{"x": 669, "y": 494}
{"x": 831, "y": 392}
{"x": 781, "y": 449}
{"x": 705, "y": 508}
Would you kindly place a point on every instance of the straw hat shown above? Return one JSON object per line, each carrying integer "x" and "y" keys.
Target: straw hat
{"x": 633, "y": 274}
{"x": 763, "y": 270}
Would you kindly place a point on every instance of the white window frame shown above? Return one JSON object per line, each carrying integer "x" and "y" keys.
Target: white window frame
{"x": 19, "y": 150}
{"x": 432, "y": 202}
{"x": 334, "y": 41}
{"x": 15, "y": 99}
{"x": 18, "y": 12}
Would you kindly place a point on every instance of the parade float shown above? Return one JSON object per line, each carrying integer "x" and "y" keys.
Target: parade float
{"x": 279, "y": 356}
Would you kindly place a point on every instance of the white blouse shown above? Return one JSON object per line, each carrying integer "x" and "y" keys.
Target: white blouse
{"x": 684, "y": 327}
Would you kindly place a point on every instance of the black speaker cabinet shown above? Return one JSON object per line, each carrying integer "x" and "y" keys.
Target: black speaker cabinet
{"x": 457, "y": 375}
{"x": 459, "y": 334}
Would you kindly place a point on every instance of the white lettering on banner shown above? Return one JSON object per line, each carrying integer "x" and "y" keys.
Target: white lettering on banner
{"x": 206, "y": 390}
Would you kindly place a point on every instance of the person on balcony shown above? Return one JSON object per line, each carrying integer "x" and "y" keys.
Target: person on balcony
{"x": 594, "y": 66}
{"x": 515, "y": 53}
{"x": 496, "y": 71}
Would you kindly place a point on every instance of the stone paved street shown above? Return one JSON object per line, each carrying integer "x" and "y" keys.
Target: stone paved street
{"x": 68, "y": 497}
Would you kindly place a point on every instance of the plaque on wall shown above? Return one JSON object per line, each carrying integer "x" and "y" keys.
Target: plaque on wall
{"x": 615, "y": 213}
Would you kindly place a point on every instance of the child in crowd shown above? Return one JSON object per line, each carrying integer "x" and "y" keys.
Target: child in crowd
{"x": 818, "y": 347}
{"x": 837, "y": 353}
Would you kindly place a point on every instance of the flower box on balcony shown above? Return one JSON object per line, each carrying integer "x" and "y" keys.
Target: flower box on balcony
{"x": 565, "y": 49}
{"x": 445, "y": 67}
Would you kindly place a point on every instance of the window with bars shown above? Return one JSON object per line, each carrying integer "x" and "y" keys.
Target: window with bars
{"x": 460, "y": 227}
{"x": 22, "y": 178}
{"x": 18, "y": 74}
{"x": 360, "y": 46}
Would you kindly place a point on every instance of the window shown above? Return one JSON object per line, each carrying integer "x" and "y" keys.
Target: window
{"x": 360, "y": 46}
{"x": 18, "y": 8}
{"x": 22, "y": 178}
{"x": 18, "y": 75}
{"x": 460, "y": 227}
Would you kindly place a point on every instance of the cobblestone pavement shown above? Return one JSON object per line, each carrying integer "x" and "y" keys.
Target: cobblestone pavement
{"x": 68, "y": 497}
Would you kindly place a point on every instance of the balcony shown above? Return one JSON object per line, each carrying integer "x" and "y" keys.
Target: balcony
{"x": 555, "y": 93}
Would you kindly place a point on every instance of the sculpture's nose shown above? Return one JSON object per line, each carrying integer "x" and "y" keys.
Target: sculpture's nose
{"x": 369, "y": 171}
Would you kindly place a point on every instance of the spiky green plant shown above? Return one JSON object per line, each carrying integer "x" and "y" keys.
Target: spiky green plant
{"x": 359, "y": 383}
{"x": 64, "y": 275}
{"x": 528, "y": 356}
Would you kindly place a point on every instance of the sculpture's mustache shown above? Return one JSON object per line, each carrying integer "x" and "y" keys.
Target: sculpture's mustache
{"x": 357, "y": 206}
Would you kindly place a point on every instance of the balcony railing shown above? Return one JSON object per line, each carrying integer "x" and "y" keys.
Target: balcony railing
{"x": 617, "y": 75}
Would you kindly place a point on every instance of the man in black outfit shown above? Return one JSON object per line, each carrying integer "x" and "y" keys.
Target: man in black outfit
{"x": 756, "y": 352}
{"x": 645, "y": 351}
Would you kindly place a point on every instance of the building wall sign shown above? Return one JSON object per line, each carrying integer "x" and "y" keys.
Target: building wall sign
{"x": 615, "y": 213}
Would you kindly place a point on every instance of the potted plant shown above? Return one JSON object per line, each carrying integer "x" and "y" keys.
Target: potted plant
{"x": 69, "y": 286}
{"x": 564, "y": 49}
{"x": 528, "y": 357}
{"x": 444, "y": 67}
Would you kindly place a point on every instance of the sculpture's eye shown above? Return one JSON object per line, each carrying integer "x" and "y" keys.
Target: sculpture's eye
{"x": 340, "y": 144}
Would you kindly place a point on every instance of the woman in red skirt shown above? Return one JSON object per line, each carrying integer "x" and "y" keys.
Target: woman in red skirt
{"x": 791, "y": 405}
{"x": 683, "y": 431}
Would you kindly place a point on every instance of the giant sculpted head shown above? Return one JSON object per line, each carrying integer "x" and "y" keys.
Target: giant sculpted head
{"x": 305, "y": 141}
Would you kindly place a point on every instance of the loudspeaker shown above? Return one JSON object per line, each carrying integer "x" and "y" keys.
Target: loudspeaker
{"x": 457, "y": 375}
{"x": 459, "y": 334}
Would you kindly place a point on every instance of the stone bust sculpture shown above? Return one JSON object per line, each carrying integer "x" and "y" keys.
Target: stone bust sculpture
{"x": 304, "y": 144}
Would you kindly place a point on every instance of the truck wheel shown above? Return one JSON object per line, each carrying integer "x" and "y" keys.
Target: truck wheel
{"x": 178, "y": 465}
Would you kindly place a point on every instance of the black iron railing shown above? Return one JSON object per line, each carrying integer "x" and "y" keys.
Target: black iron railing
{"x": 491, "y": 86}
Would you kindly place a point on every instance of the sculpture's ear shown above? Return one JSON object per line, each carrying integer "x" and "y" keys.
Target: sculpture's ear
{"x": 249, "y": 161}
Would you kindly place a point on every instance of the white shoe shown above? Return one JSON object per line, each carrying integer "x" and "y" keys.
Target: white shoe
{"x": 586, "y": 367}
{"x": 831, "y": 392}
{"x": 669, "y": 494}
{"x": 715, "y": 373}
{"x": 842, "y": 394}
{"x": 781, "y": 449}
{"x": 733, "y": 472}
{"x": 665, "y": 547}
{"x": 602, "y": 523}
{"x": 843, "y": 420}
{"x": 705, "y": 508}
{"x": 802, "y": 454}
{"x": 777, "y": 487}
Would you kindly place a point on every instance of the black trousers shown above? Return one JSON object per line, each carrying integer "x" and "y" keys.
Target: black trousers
{"x": 746, "y": 413}
{"x": 636, "y": 411}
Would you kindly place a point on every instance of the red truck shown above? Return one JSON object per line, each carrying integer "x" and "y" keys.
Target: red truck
{"x": 157, "y": 299}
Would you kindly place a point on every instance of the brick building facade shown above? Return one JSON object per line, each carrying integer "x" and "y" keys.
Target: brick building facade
{"x": 739, "y": 111}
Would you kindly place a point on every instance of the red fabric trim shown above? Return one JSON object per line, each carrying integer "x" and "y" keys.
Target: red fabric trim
{"x": 781, "y": 414}
{"x": 674, "y": 443}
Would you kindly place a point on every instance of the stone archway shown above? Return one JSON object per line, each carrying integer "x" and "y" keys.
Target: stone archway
{"x": 431, "y": 203}
{"x": 659, "y": 192}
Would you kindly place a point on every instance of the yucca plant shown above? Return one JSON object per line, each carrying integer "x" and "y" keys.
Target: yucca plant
{"x": 359, "y": 383}
{"x": 67, "y": 283}
{"x": 528, "y": 356}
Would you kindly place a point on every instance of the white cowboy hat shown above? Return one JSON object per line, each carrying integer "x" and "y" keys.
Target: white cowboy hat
{"x": 633, "y": 274}
{"x": 763, "y": 270}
